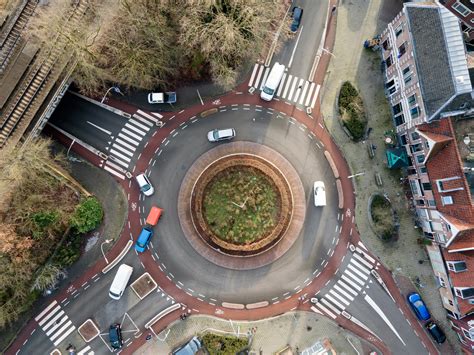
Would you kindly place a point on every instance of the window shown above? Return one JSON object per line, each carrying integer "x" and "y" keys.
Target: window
{"x": 423, "y": 170}
{"x": 415, "y": 112}
{"x": 399, "y": 30}
{"x": 420, "y": 158}
{"x": 464, "y": 292}
{"x": 388, "y": 61}
{"x": 441, "y": 281}
{"x": 414, "y": 187}
{"x": 447, "y": 200}
{"x": 416, "y": 147}
{"x": 403, "y": 139}
{"x": 391, "y": 86}
{"x": 386, "y": 44}
{"x": 426, "y": 186}
{"x": 431, "y": 203}
{"x": 407, "y": 75}
{"x": 397, "y": 109}
{"x": 412, "y": 102}
{"x": 399, "y": 120}
{"x": 411, "y": 171}
{"x": 420, "y": 202}
{"x": 463, "y": 10}
{"x": 402, "y": 49}
{"x": 457, "y": 266}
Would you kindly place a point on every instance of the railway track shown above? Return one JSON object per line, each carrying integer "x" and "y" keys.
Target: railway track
{"x": 34, "y": 87}
{"x": 11, "y": 38}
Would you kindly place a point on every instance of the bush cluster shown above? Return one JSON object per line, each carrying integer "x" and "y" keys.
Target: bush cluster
{"x": 223, "y": 345}
{"x": 87, "y": 216}
{"x": 352, "y": 110}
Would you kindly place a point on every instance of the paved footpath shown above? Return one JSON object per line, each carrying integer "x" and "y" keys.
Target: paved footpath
{"x": 348, "y": 234}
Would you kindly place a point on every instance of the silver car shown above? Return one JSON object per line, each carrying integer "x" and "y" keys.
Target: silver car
{"x": 217, "y": 135}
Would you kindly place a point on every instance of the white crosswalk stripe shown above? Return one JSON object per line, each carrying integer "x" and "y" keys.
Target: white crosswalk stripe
{"x": 354, "y": 277}
{"x": 363, "y": 261}
{"x": 123, "y": 148}
{"x": 339, "y": 297}
{"x": 360, "y": 266}
{"x": 347, "y": 287}
{"x": 359, "y": 273}
{"x": 85, "y": 350}
{"x": 55, "y": 323}
{"x": 348, "y": 280}
{"x": 333, "y": 301}
{"x": 325, "y": 310}
{"x": 291, "y": 88}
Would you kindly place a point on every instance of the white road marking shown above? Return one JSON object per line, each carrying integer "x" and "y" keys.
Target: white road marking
{"x": 294, "y": 48}
{"x": 62, "y": 329}
{"x": 362, "y": 275}
{"x": 121, "y": 142}
{"x": 51, "y": 305}
{"x": 131, "y": 134}
{"x": 377, "y": 309}
{"x": 254, "y": 71}
{"x": 311, "y": 88}
{"x": 354, "y": 277}
{"x": 136, "y": 129}
{"x": 316, "y": 93}
{"x": 142, "y": 119}
{"x": 328, "y": 304}
{"x": 54, "y": 319}
{"x": 128, "y": 139}
{"x": 69, "y": 331}
{"x": 119, "y": 147}
{"x": 363, "y": 261}
{"x": 290, "y": 95}
{"x": 303, "y": 93}
{"x": 287, "y": 86}
{"x": 138, "y": 124}
{"x": 338, "y": 296}
{"x": 100, "y": 128}
{"x": 121, "y": 156}
{"x": 360, "y": 266}
{"x": 259, "y": 75}
{"x": 327, "y": 311}
{"x": 330, "y": 298}
{"x": 367, "y": 256}
{"x": 298, "y": 91}
{"x": 344, "y": 293}
{"x": 345, "y": 278}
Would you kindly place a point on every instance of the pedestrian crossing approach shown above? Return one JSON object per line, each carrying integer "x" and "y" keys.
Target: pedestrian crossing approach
{"x": 124, "y": 145}
{"x": 351, "y": 282}
{"x": 55, "y": 323}
{"x": 291, "y": 88}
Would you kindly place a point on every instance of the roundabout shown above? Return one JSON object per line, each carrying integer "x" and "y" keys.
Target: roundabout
{"x": 241, "y": 190}
{"x": 282, "y": 260}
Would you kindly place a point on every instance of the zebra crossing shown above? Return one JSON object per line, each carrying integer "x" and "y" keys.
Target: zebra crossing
{"x": 126, "y": 142}
{"x": 55, "y": 323}
{"x": 351, "y": 282}
{"x": 291, "y": 88}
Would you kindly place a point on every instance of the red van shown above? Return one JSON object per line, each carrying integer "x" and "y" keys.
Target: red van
{"x": 154, "y": 216}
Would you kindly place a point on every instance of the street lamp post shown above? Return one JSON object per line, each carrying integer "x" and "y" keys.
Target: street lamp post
{"x": 107, "y": 241}
{"x": 115, "y": 89}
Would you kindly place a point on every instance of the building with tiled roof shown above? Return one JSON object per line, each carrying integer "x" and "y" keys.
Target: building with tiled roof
{"x": 425, "y": 66}
{"x": 445, "y": 212}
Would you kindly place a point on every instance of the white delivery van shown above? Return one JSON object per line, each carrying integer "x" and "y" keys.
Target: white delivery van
{"x": 120, "y": 281}
{"x": 272, "y": 82}
{"x": 319, "y": 194}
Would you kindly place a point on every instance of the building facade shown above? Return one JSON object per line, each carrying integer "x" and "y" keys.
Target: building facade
{"x": 428, "y": 85}
{"x": 426, "y": 73}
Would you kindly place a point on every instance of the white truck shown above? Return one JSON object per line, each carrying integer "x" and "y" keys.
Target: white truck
{"x": 272, "y": 82}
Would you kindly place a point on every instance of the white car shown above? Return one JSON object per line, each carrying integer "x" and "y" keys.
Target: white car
{"x": 145, "y": 185}
{"x": 217, "y": 135}
{"x": 319, "y": 194}
{"x": 162, "y": 97}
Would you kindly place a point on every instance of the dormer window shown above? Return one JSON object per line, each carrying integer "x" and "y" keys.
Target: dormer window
{"x": 447, "y": 200}
{"x": 457, "y": 266}
{"x": 464, "y": 292}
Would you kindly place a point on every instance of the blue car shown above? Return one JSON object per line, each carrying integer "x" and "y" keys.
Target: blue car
{"x": 296, "y": 15}
{"x": 418, "y": 306}
{"x": 143, "y": 239}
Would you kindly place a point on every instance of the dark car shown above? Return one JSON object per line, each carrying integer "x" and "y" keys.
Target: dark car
{"x": 418, "y": 306}
{"x": 115, "y": 336}
{"x": 436, "y": 332}
{"x": 297, "y": 15}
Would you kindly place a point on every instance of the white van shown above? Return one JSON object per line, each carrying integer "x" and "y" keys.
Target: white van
{"x": 120, "y": 281}
{"x": 273, "y": 80}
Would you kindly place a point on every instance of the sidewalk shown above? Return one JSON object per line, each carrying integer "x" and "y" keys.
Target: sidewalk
{"x": 355, "y": 23}
{"x": 300, "y": 329}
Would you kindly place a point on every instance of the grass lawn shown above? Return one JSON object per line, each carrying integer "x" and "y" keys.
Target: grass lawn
{"x": 241, "y": 205}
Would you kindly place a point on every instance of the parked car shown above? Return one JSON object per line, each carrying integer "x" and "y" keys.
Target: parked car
{"x": 217, "y": 135}
{"x": 143, "y": 239}
{"x": 162, "y": 97}
{"x": 436, "y": 332}
{"x": 418, "y": 306}
{"x": 319, "y": 194}
{"x": 115, "y": 336}
{"x": 145, "y": 185}
{"x": 296, "y": 15}
{"x": 190, "y": 348}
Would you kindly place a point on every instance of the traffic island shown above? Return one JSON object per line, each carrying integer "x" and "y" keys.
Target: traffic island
{"x": 144, "y": 285}
{"x": 88, "y": 330}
